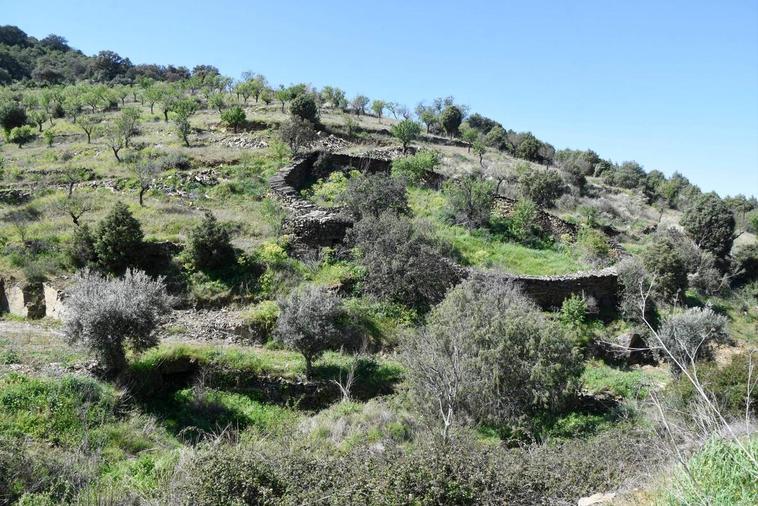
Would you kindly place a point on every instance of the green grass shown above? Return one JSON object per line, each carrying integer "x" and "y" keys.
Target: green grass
{"x": 723, "y": 474}
{"x": 628, "y": 384}
{"x": 482, "y": 248}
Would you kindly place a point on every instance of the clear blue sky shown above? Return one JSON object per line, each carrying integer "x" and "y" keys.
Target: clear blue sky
{"x": 671, "y": 84}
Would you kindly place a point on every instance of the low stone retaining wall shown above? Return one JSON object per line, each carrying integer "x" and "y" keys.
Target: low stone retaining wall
{"x": 549, "y": 292}
{"x": 546, "y": 220}
{"x": 31, "y": 300}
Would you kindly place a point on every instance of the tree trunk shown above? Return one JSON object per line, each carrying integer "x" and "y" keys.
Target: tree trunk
{"x": 151, "y": 108}
{"x": 165, "y": 115}
{"x": 89, "y": 136}
{"x": 115, "y": 153}
{"x": 142, "y": 191}
{"x": 71, "y": 189}
{"x": 308, "y": 367}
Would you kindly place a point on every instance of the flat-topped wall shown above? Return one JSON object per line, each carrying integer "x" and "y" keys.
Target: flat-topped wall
{"x": 31, "y": 300}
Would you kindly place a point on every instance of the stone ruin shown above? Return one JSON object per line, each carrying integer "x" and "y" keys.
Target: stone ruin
{"x": 31, "y": 300}
{"x": 313, "y": 227}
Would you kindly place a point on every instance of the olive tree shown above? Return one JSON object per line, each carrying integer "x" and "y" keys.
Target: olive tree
{"x": 691, "y": 335}
{"x": 377, "y": 107}
{"x": 541, "y": 186}
{"x": 487, "y": 355}
{"x": 297, "y": 133}
{"x": 108, "y": 314}
{"x": 359, "y": 104}
{"x": 88, "y": 124}
{"x": 146, "y": 171}
{"x": 311, "y": 321}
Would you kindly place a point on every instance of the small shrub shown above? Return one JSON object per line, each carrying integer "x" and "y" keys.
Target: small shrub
{"x": 690, "y": 336}
{"x": 12, "y": 115}
{"x": 81, "y": 251}
{"x": 593, "y": 243}
{"x": 746, "y": 260}
{"x": 371, "y": 194}
{"x": 523, "y": 225}
{"x": 209, "y": 246}
{"x": 470, "y": 200}
{"x": 22, "y": 135}
{"x": 574, "y": 311}
{"x": 223, "y": 474}
{"x": 541, "y": 186}
{"x": 261, "y": 319}
{"x": 403, "y": 263}
{"x": 416, "y": 167}
{"x": 234, "y": 117}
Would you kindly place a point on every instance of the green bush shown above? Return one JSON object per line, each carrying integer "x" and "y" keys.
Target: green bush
{"x": 727, "y": 385}
{"x": 304, "y": 107}
{"x": 541, "y": 186}
{"x": 22, "y": 135}
{"x": 81, "y": 250}
{"x": 119, "y": 239}
{"x": 574, "y": 311}
{"x": 234, "y": 117}
{"x": 720, "y": 473}
{"x": 406, "y": 132}
{"x": 416, "y": 167}
{"x": 470, "y": 200}
{"x": 12, "y": 115}
{"x": 450, "y": 119}
{"x": 209, "y": 246}
{"x": 663, "y": 260}
{"x": 261, "y": 319}
{"x": 372, "y": 194}
{"x": 232, "y": 475}
{"x": 593, "y": 243}
{"x": 710, "y": 223}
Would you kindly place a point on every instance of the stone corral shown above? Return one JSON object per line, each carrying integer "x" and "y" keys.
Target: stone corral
{"x": 31, "y": 300}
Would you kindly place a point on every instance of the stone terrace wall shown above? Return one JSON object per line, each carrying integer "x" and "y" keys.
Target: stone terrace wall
{"x": 311, "y": 225}
{"x": 549, "y": 292}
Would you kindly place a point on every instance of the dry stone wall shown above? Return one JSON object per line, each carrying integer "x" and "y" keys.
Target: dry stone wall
{"x": 30, "y": 300}
{"x": 314, "y": 227}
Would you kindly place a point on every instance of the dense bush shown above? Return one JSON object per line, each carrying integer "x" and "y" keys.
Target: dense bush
{"x": 106, "y": 315}
{"x": 593, "y": 244}
{"x": 12, "y": 115}
{"x": 487, "y": 355}
{"x": 626, "y": 175}
{"x": 746, "y": 260}
{"x": 312, "y": 321}
{"x": 304, "y": 107}
{"x": 727, "y": 385}
{"x": 523, "y": 225}
{"x": 371, "y": 194}
{"x": 450, "y": 119}
{"x": 663, "y": 260}
{"x": 541, "y": 186}
{"x": 22, "y": 135}
{"x": 81, "y": 251}
{"x": 574, "y": 311}
{"x": 234, "y": 117}
{"x": 469, "y": 200}
{"x": 119, "y": 239}
{"x": 416, "y": 167}
{"x": 710, "y": 223}
{"x": 690, "y": 336}
{"x": 209, "y": 246}
{"x": 226, "y": 474}
{"x": 403, "y": 263}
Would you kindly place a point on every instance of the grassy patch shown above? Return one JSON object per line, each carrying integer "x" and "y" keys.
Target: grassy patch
{"x": 628, "y": 384}
{"x": 482, "y": 248}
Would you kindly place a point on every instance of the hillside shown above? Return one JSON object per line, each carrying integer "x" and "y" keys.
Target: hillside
{"x": 221, "y": 291}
